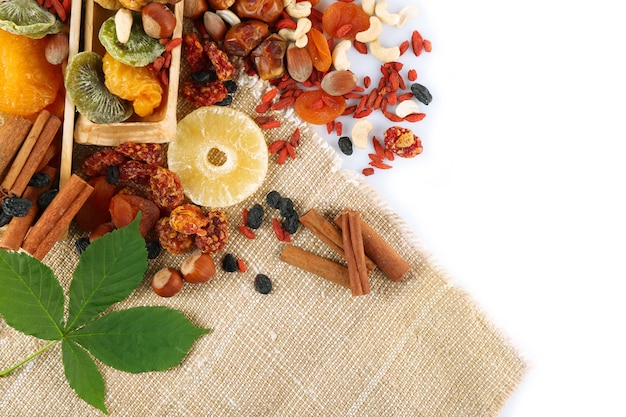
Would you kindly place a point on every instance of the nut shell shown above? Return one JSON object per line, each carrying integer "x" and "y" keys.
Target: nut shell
{"x": 198, "y": 268}
{"x": 158, "y": 20}
{"x": 167, "y": 282}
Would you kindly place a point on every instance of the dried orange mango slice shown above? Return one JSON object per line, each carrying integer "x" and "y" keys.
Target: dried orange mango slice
{"x": 28, "y": 83}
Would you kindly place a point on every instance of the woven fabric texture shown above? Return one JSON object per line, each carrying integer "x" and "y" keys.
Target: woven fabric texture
{"x": 419, "y": 347}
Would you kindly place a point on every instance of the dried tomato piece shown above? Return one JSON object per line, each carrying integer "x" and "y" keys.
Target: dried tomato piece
{"x": 188, "y": 219}
{"x": 402, "y": 142}
{"x": 124, "y": 209}
{"x": 95, "y": 210}
{"x": 136, "y": 172}
{"x": 193, "y": 51}
{"x": 150, "y": 153}
{"x": 204, "y": 94}
{"x": 216, "y": 233}
{"x": 223, "y": 68}
{"x": 96, "y": 164}
{"x": 172, "y": 241}
{"x": 344, "y": 20}
{"x": 318, "y": 107}
{"x": 166, "y": 189}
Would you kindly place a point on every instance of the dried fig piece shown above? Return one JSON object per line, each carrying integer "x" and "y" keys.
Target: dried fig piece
{"x": 268, "y": 57}
{"x": 266, "y": 10}
{"x": 243, "y": 37}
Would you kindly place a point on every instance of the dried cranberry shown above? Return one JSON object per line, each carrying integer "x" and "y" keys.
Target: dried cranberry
{"x": 263, "y": 284}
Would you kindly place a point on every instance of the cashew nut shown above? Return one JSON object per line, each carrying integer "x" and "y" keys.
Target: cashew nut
{"x": 228, "y": 16}
{"x": 303, "y": 26}
{"x": 407, "y": 12}
{"x": 123, "y": 24}
{"x": 287, "y": 3}
{"x": 407, "y": 107}
{"x": 384, "y": 54}
{"x": 373, "y": 32}
{"x": 287, "y": 34}
{"x": 299, "y": 9}
{"x": 368, "y": 6}
{"x": 381, "y": 11}
{"x": 340, "y": 55}
{"x": 302, "y": 41}
{"x": 360, "y": 132}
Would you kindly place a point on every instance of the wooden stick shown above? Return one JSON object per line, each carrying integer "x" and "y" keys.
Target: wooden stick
{"x": 37, "y": 154}
{"x": 25, "y": 150}
{"x": 385, "y": 257}
{"x": 328, "y": 233}
{"x": 322, "y": 267}
{"x": 60, "y": 210}
{"x": 12, "y": 134}
{"x": 18, "y": 226}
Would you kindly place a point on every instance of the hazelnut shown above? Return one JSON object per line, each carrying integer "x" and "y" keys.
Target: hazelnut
{"x": 198, "y": 267}
{"x": 194, "y": 8}
{"x": 158, "y": 20}
{"x": 167, "y": 282}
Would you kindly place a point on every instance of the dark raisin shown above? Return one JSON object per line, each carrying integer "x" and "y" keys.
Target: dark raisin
{"x": 16, "y": 206}
{"x": 39, "y": 180}
{"x": 421, "y": 93}
{"x": 46, "y": 198}
{"x": 285, "y": 205}
{"x": 272, "y": 199}
{"x": 255, "y": 216}
{"x": 231, "y": 86}
{"x": 226, "y": 101}
{"x": 154, "y": 249}
{"x": 203, "y": 76}
{"x": 81, "y": 244}
{"x": 345, "y": 145}
{"x": 229, "y": 263}
{"x": 291, "y": 222}
{"x": 113, "y": 175}
{"x": 262, "y": 284}
{"x": 4, "y": 218}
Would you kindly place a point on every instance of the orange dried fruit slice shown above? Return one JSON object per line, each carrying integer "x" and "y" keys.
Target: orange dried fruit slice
{"x": 28, "y": 83}
{"x": 344, "y": 20}
{"x": 220, "y": 155}
{"x": 318, "y": 107}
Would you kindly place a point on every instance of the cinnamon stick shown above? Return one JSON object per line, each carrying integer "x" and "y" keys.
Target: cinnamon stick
{"x": 37, "y": 154}
{"x": 12, "y": 134}
{"x": 355, "y": 255}
{"x": 328, "y": 233}
{"x": 56, "y": 217}
{"x": 322, "y": 267}
{"x": 25, "y": 150}
{"x": 386, "y": 258}
{"x": 18, "y": 226}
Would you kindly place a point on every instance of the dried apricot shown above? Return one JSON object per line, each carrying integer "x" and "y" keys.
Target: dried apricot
{"x": 319, "y": 50}
{"x": 318, "y": 107}
{"x": 124, "y": 209}
{"x": 95, "y": 210}
{"x": 344, "y": 20}
{"x": 28, "y": 82}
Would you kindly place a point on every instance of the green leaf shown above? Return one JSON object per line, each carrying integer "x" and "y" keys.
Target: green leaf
{"x": 139, "y": 339}
{"x": 83, "y": 375}
{"x": 107, "y": 272}
{"x": 31, "y": 298}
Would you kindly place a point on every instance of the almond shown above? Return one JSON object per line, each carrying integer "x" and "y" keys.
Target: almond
{"x": 214, "y": 25}
{"x": 339, "y": 82}
{"x": 299, "y": 63}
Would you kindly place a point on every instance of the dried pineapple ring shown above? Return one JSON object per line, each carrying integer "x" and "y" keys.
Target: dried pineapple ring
{"x": 220, "y": 155}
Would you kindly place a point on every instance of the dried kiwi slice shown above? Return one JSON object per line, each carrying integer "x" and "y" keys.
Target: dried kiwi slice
{"x": 84, "y": 82}
{"x": 139, "y": 51}
{"x": 26, "y": 17}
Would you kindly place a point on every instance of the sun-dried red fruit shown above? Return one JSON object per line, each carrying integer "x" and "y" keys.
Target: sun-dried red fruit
{"x": 188, "y": 219}
{"x": 149, "y": 153}
{"x": 136, "y": 172}
{"x": 124, "y": 209}
{"x": 204, "y": 94}
{"x": 193, "y": 52}
{"x": 95, "y": 210}
{"x": 318, "y": 107}
{"x": 172, "y": 241}
{"x": 344, "y": 20}
{"x": 223, "y": 68}
{"x": 402, "y": 142}
{"x": 166, "y": 189}
{"x": 216, "y": 233}
{"x": 96, "y": 164}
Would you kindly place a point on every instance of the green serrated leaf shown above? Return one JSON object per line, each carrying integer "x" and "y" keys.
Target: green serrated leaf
{"x": 107, "y": 272}
{"x": 31, "y": 298}
{"x": 83, "y": 375}
{"x": 139, "y": 339}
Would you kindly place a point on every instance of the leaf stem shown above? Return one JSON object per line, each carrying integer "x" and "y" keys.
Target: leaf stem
{"x": 29, "y": 358}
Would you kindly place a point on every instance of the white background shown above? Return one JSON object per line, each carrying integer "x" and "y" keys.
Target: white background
{"x": 519, "y": 193}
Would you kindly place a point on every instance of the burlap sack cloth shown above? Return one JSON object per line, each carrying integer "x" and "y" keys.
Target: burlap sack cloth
{"x": 419, "y": 347}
